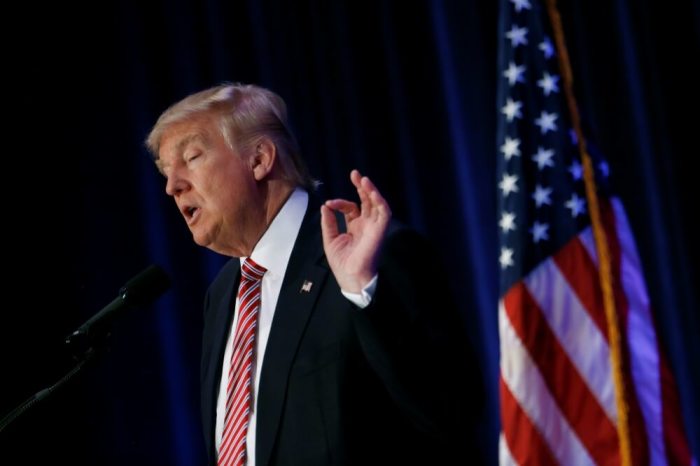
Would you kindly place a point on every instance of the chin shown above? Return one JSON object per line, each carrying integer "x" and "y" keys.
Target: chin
{"x": 206, "y": 241}
{"x": 200, "y": 240}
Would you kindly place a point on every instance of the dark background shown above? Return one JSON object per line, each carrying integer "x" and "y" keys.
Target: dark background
{"x": 404, "y": 91}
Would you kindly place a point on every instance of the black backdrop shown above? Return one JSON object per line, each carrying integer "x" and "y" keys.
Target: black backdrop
{"x": 404, "y": 91}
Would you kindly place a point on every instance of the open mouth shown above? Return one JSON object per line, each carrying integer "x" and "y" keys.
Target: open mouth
{"x": 190, "y": 213}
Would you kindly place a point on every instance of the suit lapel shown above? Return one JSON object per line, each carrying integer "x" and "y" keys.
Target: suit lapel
{"x": 302, "y": 282}
{"x": 217, "y": 334}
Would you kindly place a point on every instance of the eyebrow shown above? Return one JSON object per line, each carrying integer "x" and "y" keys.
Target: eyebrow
{"x": 180, "y": 147}
{"x": 187, "y": 140}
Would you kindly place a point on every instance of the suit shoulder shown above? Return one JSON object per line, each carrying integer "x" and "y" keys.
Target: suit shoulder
{"x": 224, "y": 278}
{"x": 401, "y": 235}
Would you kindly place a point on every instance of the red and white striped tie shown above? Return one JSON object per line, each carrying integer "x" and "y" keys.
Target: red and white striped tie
{"x": 238, "y": 393}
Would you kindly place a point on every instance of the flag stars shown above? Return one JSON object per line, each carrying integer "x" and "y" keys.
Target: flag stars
{"x": 548, "y": 83}
{"x": 576, "y": 170}
{"x": 539, "y": 232}
{"x": 542, "y": 196}
{"x": 507, "y": 222}
{"x": 509, "y": 184}
{"x": 521, "y": 5}
{"x": 512, "y": 109}
{"x": 511, "y": 148}
{"x": 517, "y": 36}
{"x": 576, "y": 204}
{"x": 546, "y": 122}
{"x": 506, "y": 258}
{"x": 547, "y": 48}
{"x": 514, "y": 73}
{"x": 543, "y": 158}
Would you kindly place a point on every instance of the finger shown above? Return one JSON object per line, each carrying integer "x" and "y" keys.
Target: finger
{"x": 366, "y": 190}
{"x": 356, "y": 178}
{"x": 369, "y": 195}
{"x": 360, "y": 183}
{"x": 367, "y": 184}
{"x": 343, "y": 206}
{"x": 329, "y": 226}
{"x": 365, "y": 202}
{"x": 380, "y": 206}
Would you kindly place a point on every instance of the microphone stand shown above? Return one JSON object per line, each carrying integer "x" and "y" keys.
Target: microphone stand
{"x": 88, "y": 356}
{"x": 143, "y": 288}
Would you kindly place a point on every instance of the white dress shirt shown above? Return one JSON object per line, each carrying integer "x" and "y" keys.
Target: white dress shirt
{"x": 272, "y": 252}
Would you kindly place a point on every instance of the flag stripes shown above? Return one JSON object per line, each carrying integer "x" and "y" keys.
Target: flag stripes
{"x": 583, "y": 377}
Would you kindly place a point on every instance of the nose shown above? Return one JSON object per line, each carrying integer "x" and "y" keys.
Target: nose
{"x": 176, "y": 184}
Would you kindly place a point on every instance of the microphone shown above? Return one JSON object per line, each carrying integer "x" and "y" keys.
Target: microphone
{"x": 141, "y": 289}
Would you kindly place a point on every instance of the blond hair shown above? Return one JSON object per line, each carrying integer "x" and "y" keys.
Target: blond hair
{"x": 245, "y": 113}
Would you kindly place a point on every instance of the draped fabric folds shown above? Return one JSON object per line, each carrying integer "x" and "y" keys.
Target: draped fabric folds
{"x": 403, "y": 91}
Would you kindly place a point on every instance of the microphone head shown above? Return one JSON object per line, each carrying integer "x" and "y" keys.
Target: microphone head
{"x": 141, "y": 289}
{"x": 146, "y": 286}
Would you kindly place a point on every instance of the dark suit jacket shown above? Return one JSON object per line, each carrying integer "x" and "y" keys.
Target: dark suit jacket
{"x": 388, "y": 384}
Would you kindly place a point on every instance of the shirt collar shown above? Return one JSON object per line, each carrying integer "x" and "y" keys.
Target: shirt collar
{"x": 276, "y": 244}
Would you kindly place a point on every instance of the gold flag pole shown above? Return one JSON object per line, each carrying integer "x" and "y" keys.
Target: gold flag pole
{"x": 600, "y": 240}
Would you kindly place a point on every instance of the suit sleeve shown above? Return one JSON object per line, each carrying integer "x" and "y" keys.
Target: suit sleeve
{"x": 414, "y": 337}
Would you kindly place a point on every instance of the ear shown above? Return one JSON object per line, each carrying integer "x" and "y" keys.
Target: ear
{"x": 263, "y": 158}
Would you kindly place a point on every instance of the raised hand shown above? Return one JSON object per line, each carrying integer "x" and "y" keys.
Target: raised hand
{"x": 352, "y": 255}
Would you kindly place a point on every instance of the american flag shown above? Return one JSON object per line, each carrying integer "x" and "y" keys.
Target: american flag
{"x": 557, "y": 393}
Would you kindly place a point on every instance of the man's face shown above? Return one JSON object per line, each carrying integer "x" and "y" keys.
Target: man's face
{"x": 213, "y": 186}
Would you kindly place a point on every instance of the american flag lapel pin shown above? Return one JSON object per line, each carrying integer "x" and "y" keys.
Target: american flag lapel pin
{"x": 306, "y": 287}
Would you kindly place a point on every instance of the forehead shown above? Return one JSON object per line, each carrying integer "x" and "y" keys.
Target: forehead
{"x": 178, "y": 136}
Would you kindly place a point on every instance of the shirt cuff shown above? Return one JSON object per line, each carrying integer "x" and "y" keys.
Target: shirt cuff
{"x": 363, "y": 298}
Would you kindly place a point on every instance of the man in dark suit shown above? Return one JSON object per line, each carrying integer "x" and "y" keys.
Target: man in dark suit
{"x": 357, "y": 355}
